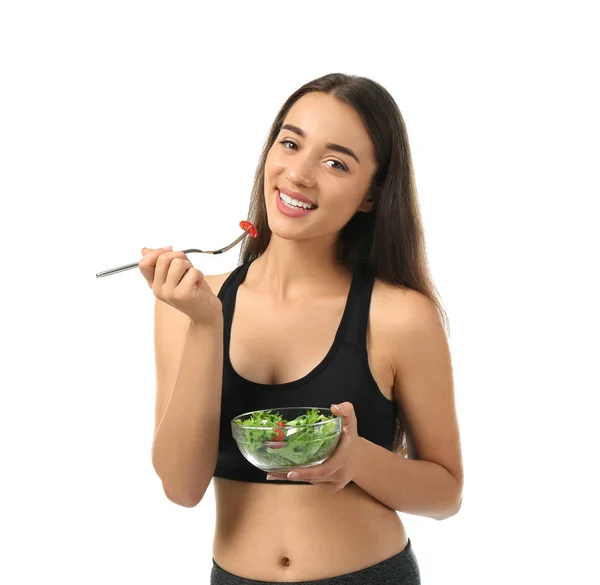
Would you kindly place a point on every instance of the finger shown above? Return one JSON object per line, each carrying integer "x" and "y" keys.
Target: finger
{"x": 177, "y": 270}
{"x": 317, "y": 474}
{"x": 345, "y": 410}
{"x": 191, "y": 280}
{"x": 188, "y": 285}
{"x": 157, "y": 250}
{"x": 161, "y": 270}
{"x": 147, "y": 264}
{"x": 271, "y": 476}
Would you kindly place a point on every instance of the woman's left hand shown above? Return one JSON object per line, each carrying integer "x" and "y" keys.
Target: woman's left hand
{"x": 337, "y": 471}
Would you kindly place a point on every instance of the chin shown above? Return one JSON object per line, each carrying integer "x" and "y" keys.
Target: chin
{"x": 285, "y": 232}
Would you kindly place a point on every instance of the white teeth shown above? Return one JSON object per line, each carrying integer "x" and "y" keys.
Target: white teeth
{"x": 294, "y": 202}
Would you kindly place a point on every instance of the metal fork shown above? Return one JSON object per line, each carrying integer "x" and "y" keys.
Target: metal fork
{"x": 219, "y": 251}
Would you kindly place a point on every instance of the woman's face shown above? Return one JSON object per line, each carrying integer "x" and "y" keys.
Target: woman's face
{"x": 302, "y": 159}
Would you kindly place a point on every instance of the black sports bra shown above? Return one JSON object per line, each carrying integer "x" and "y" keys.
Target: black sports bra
{"x": 342, "y": 376}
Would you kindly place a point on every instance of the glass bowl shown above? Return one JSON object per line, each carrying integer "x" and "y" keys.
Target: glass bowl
{"x": 290, "y": 438}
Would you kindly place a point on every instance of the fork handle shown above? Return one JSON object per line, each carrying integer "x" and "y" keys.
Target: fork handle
{"x": 135, "y": 264}
{"x": 115, "y": 270}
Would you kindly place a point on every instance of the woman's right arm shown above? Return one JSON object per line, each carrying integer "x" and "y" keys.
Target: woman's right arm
{"x": 189, "y": 368}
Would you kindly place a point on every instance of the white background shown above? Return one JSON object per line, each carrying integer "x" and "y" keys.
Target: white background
{"x": 127, "y": 124}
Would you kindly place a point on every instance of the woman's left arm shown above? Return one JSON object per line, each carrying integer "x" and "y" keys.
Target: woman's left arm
{"x": 430, "y": 485}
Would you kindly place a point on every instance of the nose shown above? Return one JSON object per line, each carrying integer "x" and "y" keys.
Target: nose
{"x": 300, "y": 173}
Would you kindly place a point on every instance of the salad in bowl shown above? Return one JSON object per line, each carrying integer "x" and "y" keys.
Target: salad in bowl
{"x": 283, "y": 439}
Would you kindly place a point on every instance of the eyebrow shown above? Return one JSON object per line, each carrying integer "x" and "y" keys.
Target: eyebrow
{"x": 329, "y": 145}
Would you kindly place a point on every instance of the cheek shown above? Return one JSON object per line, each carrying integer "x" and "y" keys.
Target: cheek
{"x": 344, "y": 201}
{"x": 341, "y": 208}
{"x": 274, "y": 163}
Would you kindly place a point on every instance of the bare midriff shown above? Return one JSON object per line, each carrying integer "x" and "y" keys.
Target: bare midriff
{"x": 287, "y": 532}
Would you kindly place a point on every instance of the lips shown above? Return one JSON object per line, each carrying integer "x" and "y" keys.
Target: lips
{"x": 291, "y": 211}
{"x": 297, "y": 196}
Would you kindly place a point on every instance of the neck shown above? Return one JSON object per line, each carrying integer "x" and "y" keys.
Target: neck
{"x": 298, "y": 269}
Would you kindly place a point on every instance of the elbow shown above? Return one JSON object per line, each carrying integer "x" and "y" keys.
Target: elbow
{"x": 449, "y": 512}
{"x": 452, "y": 508}
{"x": 185, "y": 500}
{"x": 187, "y": 495}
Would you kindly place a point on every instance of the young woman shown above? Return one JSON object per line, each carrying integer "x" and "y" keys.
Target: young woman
{"x": 331, "y": 304}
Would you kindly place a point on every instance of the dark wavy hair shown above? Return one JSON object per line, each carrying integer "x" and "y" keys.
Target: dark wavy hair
{"x": 388, "y": 242}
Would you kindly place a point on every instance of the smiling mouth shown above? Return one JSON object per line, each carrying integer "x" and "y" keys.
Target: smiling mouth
{"x": 294, "y": 203}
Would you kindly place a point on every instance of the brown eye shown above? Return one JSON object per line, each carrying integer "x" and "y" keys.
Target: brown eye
{"x": 287, "y": 142}
{"x": 341, "y": 167}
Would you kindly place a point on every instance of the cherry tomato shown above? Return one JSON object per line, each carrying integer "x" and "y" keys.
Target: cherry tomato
{"x": 277, "y": 435}
{"x": 245, "y": 225}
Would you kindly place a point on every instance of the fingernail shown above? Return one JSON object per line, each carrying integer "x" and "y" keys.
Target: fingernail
{"x": 168, "y": 248}
{"x": 293, "y": 475}
{"x": 270, "y": 477}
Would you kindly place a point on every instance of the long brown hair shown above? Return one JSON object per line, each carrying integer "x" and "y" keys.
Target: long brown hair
{"x": 387, "y": 243}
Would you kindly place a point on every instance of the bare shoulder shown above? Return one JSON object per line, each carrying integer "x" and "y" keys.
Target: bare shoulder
{"x": 410, "y": 324}
{"x": 400, "y": 306}
{"x": 215, "y": 281}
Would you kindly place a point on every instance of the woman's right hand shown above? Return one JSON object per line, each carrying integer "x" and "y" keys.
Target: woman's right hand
{"x": 174, "y": 280}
